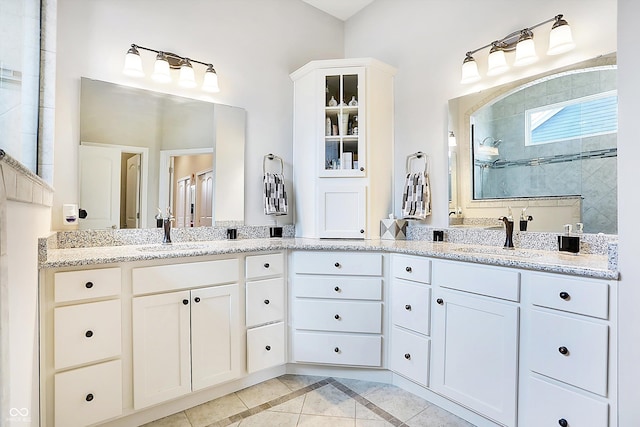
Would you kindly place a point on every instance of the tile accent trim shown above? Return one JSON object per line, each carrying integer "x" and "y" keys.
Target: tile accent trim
{"x": 22, "y": 185}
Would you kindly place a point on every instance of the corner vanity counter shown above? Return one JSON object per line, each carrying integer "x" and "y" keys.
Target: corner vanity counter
{"x": 501, "y": 338}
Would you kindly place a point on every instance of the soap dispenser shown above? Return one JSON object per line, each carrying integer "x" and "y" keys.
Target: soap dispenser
{"x": 524, "y": 220}
{"x": 567, "y": 242}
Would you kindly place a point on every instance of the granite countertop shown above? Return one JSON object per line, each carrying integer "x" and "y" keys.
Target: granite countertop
{"x": 587, "y": 265}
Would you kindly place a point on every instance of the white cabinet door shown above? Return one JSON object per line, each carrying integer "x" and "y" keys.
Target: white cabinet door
{"x": 475, "y": 353}
{"x": 100, "y": 189}
{"x": 342, "y": 211}
{"x": 215, "y": 335}
{"x": 161, "y": 350}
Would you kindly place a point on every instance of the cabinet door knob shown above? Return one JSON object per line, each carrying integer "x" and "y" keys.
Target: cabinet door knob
{"x": 337, "y": 265}
{"x": 89, "y": 397}
{"x": 88, "y": 285}
{"x": 563, "y": 350}
{"x": 407, "y": 356}
{"x": 268, "y": 348}
{"x": 565, "y": 296}
{"x": 407, "y": 269}
{"x": 563, "y": 422}
{"x": 266, "y": 265}
{"x": 407, "y": 307}
{"x": 267, "y": 301}
{"x": 362, "y": 231}
{"x": 440, "y": 301}
{"x": 337, "y": 289}
{"x": 197, "y": 299}
{"x": 337, "y": 350}
{"x": 185, "y": 301}
{"x": 88, "y": 334}
{"x": 337, "y": 317}
{"x": 361, "y": 169}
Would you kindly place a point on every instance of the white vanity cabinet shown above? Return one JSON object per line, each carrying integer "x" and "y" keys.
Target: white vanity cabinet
{"x": 336, "y": 308}
{"x": 188, "y": 339}
{"x": 343, "y": 128}
{"x": 475, "y": 337}
{"x": 411, "y": 317}
{"x": 569, "y": 358}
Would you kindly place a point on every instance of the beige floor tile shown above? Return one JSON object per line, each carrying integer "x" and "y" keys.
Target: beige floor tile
{"x": 263, "y": 392}
{"x": 359, "y": 386}
{"x": 176, "y": 420}
{"x": 208, "y": 413}
{"x": 373, "y": 423}
{"x": 270, "y": 419}
{"x": 399, "y": 403}
{"x": 296, "y": 382}
{"x": 293, "y": 406}
{"x": 329, "y": 401}
{"x": 321, "y": 421}
{"x": 363, "y": 413}
{"x": 435, "y": 416}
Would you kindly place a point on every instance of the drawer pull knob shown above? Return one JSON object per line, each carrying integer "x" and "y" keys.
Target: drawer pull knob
{"x": 88, "y": 285}
{"x": 407, "y": 356}
{"x": 89, "y": 397}
{"x": 268, "y": 348}
{"x": 563, "y": 422}
{"x": 361, "y": 169}
{"x": 88, "y": 334}
{"x": 563, "y": 350}
{"x": 407, "y": 307}
{"x": 565, "y": 296}
{"x": 266, "y": 265}
{"x": 337, "y": 289}
{"x": 362, "y": 231}
{"x": 337, "y": 265}
{"x": 408, "y": 269}
{"x": 440, "y": 301}
{"x": 185, "y": 301}
{"x": 337, "y": 317}
{"x": 266, "y": 301}
{"x": 337, "y": 350}
{"x": 197, "y": 299}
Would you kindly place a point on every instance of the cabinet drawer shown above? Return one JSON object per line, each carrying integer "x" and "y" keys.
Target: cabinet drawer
{"x": 86, "y": 333}
{"x": 365, "y": 288}
{"x": 86, "y": 284}
{"x": 576, "y": 295}
{"x": 265, "y": 347}
{"x": 570, "y": 350}
{"x": 341, "y": 316}
{"x": 259, "y": 266}
{"x": 184, "y": 276}
{"x": 341, "y": 263}
{"x": 409, "y": 355}
{"x": 411, "y": 306}
{"x": 482, "y": 280}
{"x": 548, "y": 404}
{"x": 265, "y": 301}
{"x": 413, "y": 268}
{"x": 360, "y": 350}
{"x": 88, "y": 395}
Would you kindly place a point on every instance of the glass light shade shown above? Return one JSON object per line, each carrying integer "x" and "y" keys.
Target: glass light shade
{"x": 187, "y": 76}
{"x": 560, "y": 39}
{"x": 497, "y": 62}
{"x": 133, "y": 63}
{"x": 469, "y": 71}
{"x": 210, "y": 83}
{"x": 452, "y": 139}
{"x": 161, "y": 69}
{"x": 525, "y": 52}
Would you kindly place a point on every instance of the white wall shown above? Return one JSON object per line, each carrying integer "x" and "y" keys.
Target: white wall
{"x": 427, "y": 40}
{"x": 253, "y": 44}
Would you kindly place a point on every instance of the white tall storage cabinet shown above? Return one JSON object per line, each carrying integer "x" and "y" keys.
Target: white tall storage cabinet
{"x": 343, "y": 147}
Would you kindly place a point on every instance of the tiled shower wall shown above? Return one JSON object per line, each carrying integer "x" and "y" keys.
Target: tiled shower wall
{"x": 593, "y": 178}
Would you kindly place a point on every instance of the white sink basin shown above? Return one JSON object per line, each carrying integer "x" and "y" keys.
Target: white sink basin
{"x": 519, "y": 253}
{"x": 172, "y": 247}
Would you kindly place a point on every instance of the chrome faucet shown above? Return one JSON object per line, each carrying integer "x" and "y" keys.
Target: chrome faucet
{"x": 508, "y": 226}
{"x": 166, "y": 224}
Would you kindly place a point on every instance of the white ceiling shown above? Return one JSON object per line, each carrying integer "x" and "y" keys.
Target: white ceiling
{"x": 341, "y": 9}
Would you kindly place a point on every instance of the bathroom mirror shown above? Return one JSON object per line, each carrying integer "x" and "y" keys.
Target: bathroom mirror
{"x": 141, "y": 151}
{"x": 546, "y": 144}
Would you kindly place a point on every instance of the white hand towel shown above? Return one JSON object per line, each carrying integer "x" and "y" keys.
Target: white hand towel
{"x": 275, "y": 197}
{"x": 416, "y": 199}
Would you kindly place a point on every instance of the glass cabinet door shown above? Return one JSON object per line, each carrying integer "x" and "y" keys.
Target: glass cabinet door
{"x": 343, "y": 135}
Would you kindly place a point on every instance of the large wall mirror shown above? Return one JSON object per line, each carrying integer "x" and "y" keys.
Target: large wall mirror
{"x": 142, "y": 152}
{"x": 547, "y": 144}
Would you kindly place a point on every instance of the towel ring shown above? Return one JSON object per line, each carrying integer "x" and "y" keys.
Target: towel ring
{"x": 417, "y": 155}
{"x": 272, "y": 157}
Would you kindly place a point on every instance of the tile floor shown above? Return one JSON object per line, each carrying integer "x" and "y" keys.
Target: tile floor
{"x": 299, "y": 400}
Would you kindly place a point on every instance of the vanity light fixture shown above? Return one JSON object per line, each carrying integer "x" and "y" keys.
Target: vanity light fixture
{"x": 166, "y": 61}
{"x": 452, "y": 139}
{"x": 521, "y": 41}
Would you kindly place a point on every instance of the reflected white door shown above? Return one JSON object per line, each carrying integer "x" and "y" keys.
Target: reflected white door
{"x": 132, "y": 199}
{"x": 204, "y": 203}
{"x": 99, "y": 186}
{"x": 182, "y": 202}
